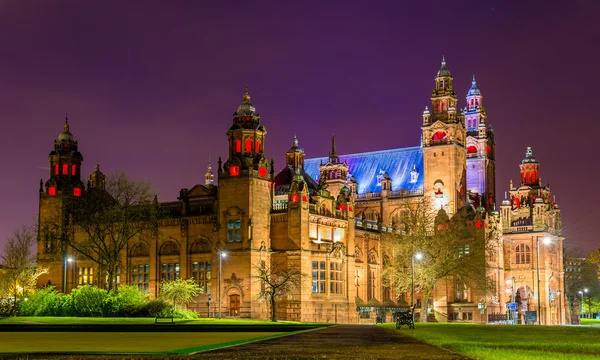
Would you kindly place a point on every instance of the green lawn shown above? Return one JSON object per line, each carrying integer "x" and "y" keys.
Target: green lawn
{"x": 506, "y": 342}
{"x": 123, "y": 343}
{"x": 88, "y": 320}
{"x": 590, "y": 322}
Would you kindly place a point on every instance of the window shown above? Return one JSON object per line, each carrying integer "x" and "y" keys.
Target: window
{"x": 522, "y": 254}
{"x": 335, "y": 278}
{"x": 56, "y": 169}
{"x": 257, "y": 146}
{"x": 234, "y": 171}
{"x": 65, "y": 169}
{"x": 248, "y": 147}
{"x": 170, "y": 271}
{"x": 371, "y": 286}
{"x": 73, "y": 169}
{"x": 140, "y": 276}
{"x": 51, "y": 191}
{"x": 234, "y": 234}
{"x": 471, "y": 149}
{"x": 76, "y": 192}
{"x": 238, "y": 146}
{"x": 262, "y": 171}
{"x": 85, "y": 275}
{"x": 49, "y": 243}
{"x": 467, "y": 316}
{"x": 295, "y": 197}
{"x": 201, "y": 273}
{"x": 318, "y": 276}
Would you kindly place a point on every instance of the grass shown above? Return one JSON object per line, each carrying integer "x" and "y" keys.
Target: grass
{"x": 123, "y": 343}
{"x": 590, "y": 322}
{"x": 496, "y": 342}
{"x": 138, "y": 321}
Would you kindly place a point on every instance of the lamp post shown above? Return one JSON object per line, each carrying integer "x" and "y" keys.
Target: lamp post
{"x": 419, "y": 256}
{"x": 222, "y": 254}
{"x": 511, "y": 281}
{"x": 67, "y": 260}
{"x": 558, "y": 292}
{"x": 581, "y": 293}
{"x": 546, "y": 241}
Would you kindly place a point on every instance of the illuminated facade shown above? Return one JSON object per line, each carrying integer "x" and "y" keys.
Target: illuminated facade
{"x": 326, "y": 215}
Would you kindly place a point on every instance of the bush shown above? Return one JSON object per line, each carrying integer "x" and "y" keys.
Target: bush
{"x": 6, "y": 306}
{"x": 155, "y": 307}
{"x": 185, "y": 314}
{"x": 44, "y": 302}
{"x": 89, "y": 300}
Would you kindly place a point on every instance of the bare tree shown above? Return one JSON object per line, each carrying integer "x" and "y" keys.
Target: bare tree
{"x": 19, "y": 261}
{"x": 454, "y": 250}
{"x": 100, "y": 224}
{"x": 278, "y": 280}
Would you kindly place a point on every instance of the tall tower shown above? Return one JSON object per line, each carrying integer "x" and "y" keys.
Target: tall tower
{"x": 245, "y": 181}
{"x": 209, "y": 178}
{"x": 65, "y": 181}
{"x": 481, "y": 163}
{"x": 335, "y": 172}
{"x": 443, "y": 142}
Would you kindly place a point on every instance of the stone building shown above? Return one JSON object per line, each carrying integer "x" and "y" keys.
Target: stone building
{"x": 326, "y": 216}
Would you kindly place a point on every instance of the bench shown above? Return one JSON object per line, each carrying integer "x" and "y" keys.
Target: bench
{"x": 405, "y": 316}
{"x": 162, "y": 319}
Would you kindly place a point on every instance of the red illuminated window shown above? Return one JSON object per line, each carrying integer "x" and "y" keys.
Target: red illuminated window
{"x": 77, "y": 192}
{"x": 234, "y": 171}
{"x": 440, "y": 135}
{"x": 65, "y": 169}
{"x": 478, "y": 224}
{"x": 262, "y": 171}
{"x": 440, "y": 227}
{"x": 56, "y": 169}
{"x": 351, "y": 208}
{"x": 343, "y": 207}
{"x": 238, "y": 146}
{"x": 51, "y": 191}
{"x": 73, "y": 169}
{"x": 248, "y": 147}
{"x": 488, "y": 149}
{"x": 257, "y": 146}
{"x": 471, "y": 149}
{"x": 295, "y": 197}
{"x": 304, "y": 198}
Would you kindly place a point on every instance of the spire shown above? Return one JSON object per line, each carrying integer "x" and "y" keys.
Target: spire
{"x": 473, "y": 91}
{"x": 333, "y": 156}
{"x": 208, "y": 176}
{"x": 443, "y": 72}
{"x": 66, "y": 125}
{"x": 246, "y": 97}
{"x": 97, "y": 168}
{"x": 295, "y": 142}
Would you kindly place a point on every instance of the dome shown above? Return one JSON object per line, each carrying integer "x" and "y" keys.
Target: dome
{"x": 295, "y": 148}
{"x": 529, "y": 159}
{"x": 474, "y": 91}
{"x": 65, "y": 135}
{"x": 246, "y": 107}
{"x": 345, "y": 190}
{"x": 426, "y": 111}
{"x": 443, "y": 71}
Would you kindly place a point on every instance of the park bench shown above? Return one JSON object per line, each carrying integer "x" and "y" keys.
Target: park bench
{"x": 162, "y": 319}
{"x": 405, "y": 316}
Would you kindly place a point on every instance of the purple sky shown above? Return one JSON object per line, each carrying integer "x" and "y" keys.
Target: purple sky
{"x": 152, "y": 89}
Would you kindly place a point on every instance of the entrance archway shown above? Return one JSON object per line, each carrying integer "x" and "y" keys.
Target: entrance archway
{"x": 234, "y": 305}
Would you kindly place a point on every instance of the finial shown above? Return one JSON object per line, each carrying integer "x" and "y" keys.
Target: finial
{"x": 333, "y": 145}
{"x": 67, "y": 118}
{"x": 443, "y": 60}
{"x": 295, "y": 142}
{"x": 529, "y": 152}
{"x": 97, "y": 169}
{"x": 473, "y": 81}
{"x": 220, "y": 168}
{"x": 246, "y": 97}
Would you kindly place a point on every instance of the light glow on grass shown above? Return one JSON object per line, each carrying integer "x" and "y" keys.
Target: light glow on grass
{"x": 53, "y": 320}
{"x": 497, "y": 342}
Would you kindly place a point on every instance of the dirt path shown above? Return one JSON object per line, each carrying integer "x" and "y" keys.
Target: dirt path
{"x": 340, "y": 342}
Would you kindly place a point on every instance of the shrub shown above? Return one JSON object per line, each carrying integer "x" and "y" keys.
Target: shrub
{"x": 89, "y": 300}
{"x": 185, "y": 314}
{"x": 44, "y": 302}
{"x": 155, "y": 307}
{"x": 6, "y": 306}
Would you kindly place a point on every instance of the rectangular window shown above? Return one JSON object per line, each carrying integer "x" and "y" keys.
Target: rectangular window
{"x": 65, "y": 170}
{"x": 201, "y": 273}
{"x": 85, "y": 275}
{"x": 170, "y": 271}
{"x": 318, "y": 276}
{"x": 234, "y": 233}
{"x": 140, "y": 276}
{"x": 335, "y": 278}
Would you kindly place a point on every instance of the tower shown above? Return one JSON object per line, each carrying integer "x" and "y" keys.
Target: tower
{"x": 481, "y": 164}
{"x": 335, "y": 172}
{"x": 209, "y": 178}
{"x": 443, "y": 143}
{"x": 64, "y": 182}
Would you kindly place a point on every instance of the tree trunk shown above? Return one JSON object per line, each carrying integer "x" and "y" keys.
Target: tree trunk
{"x": 424, "y": 304}
{"x": 273, "y": 310}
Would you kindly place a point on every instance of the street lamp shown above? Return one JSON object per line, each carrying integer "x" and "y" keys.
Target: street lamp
{"x": 547, "y": 240}
{"x": 581, "y": 293}
{"x": 67, "y": 260}
{"x": 222, "y": 254}
{"x": 559, "y": 307}
{"x": 511, "y": 281}
{"x": 418, "y": 256}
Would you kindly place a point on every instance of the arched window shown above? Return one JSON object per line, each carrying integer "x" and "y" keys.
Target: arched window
{"x": 248, "y": 147}
{"x": 262, "y": 171}
{"x": 471, "y": 149}
{"x": 238, "y": 146}
{"x": 477, "y": 102}
{"x": 73, "y": 169}
{"x": 471, "y": 102}
{"x": 56, "y": 169}
{"x": 76, "y": 191}
{"x": 522, "y": 254}
{"x": 295, "y": 197}
{"x": 257, "y": 146}
{"x": 234, "y": 171}
{"x": 65, "y": 170}
{"x": 439, "y": 135}
{"x": 438, "y": 106}
{"x": 51, "y": 191}
{"x": 443, "y": 106}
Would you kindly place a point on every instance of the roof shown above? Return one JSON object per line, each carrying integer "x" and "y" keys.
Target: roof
{"x": 284, "y": 179}
{"x": 368, "y": 168}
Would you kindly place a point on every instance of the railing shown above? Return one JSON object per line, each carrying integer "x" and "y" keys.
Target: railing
{"x": 313, "y": 209}
{"x": 405, "y": 192}
{"x": 531, "y": 228}
{"x": 369, "y": 195}
{"x": 280, "y": 206}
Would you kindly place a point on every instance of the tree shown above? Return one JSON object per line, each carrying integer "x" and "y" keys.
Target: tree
{"x": 20, "y": 269}
{"x": 100, "y": 224}
{"x": 180, "y": 290}
{"x": 278, "y": 280}
{"x": 453, "y": 249}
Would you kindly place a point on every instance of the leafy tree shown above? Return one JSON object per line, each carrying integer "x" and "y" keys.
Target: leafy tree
{"x": 100, "y": 224}
{"x": 180, "y": 290}
{"x": 278, "y": 280}
{"x": 19, "y": 266}
{"x": 452, "y": 249}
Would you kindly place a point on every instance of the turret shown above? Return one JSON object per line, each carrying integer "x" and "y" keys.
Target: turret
{"x": 335, "y": 172}
{"x": 530, "y": 169}
{"x": 209, "y": 178}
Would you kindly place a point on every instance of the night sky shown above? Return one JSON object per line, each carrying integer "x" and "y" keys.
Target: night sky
{"x": 151, "y": 89}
